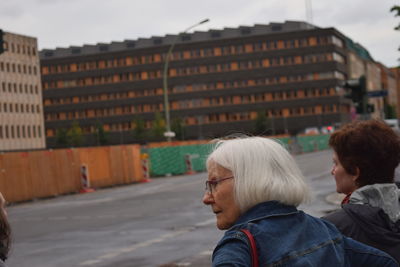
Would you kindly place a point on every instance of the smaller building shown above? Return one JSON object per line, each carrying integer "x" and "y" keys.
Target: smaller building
{"x": 21, "y": 109}
{"x": 396, "y": 75}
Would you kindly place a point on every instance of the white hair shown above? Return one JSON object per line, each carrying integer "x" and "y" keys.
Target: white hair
{"x": 263, "y": 170}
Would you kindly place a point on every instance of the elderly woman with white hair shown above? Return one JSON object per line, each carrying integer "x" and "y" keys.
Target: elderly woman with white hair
{"x": 253, "y": 188}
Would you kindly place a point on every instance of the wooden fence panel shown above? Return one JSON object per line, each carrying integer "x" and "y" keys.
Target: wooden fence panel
{"x": 3, "y": 184}
{"x": 137, "y": 163}
{"x": 67, "y": 170}
{"x": 125, "y": 165}
{"x": 98, "y": 165}
{"x": 17, "y": 178}
{"x": 44, "y": 183}
{"x": 117, "y": 165}
{"x": 134, "y": 164}
{"x": 29, "y": 175}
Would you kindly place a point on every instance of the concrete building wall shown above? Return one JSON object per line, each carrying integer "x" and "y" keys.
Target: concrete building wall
{"x": 396, "y": 76}
{"x": 374, "y": 83}
{"x": 356, "y": 66}
{"x": 21, "y": 109}
{"x": 217, "y": 85}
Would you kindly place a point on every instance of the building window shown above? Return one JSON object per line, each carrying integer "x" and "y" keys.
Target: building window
{"x": 215, "y": 34}
{"x": 103, "y": 48}
{"x": 130, "y": 44}
{"x": 157, "y": 41}
{"x": 75, "y": 51}
{"x": 276, "y": 28}
{"x": 245, "y": 31}
{"x": 185, "y": 37}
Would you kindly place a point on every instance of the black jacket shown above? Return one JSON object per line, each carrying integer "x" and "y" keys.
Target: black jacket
{"x": 369, "y": 225}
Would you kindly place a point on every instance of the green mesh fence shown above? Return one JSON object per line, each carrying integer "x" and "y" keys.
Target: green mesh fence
{"x": 313, "y": 142}
{"x": 171, "y": 160}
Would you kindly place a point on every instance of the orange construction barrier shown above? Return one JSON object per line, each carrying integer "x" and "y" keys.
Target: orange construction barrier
{"x": 145, "y": 168}
{"x": 85, "y": 180}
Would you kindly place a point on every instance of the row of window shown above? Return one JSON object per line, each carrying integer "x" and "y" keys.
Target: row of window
{"x": 184, "y": 88}
{"x": 192, "y": 103}
{"x": 195, "y": 53}
{"x": 19, "y": 108}
{"x": 18, "y": 68}
{"x": 20, "y": 48}
{"x": 224, "y": 117}
{"x": 20, "y": 131}
{"x": 202, "y": 69}
{"x": 19, "y": 88}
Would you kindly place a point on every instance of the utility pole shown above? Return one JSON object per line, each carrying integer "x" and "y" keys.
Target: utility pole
{"x": 309, "y": 13}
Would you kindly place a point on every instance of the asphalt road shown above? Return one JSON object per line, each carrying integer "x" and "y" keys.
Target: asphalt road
{"x": 161, "y": 223}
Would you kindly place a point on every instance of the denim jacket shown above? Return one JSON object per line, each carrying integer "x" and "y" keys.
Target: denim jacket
{"x": 286, "y": 236}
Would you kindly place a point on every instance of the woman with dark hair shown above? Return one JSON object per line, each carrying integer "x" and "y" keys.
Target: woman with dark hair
{"x": 253, "y": 188}
{"x": 365, "y": 156}
{"x": 5, "y": 232}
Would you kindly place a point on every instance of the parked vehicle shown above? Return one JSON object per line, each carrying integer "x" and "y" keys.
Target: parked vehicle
{"x": 394, "y": 123}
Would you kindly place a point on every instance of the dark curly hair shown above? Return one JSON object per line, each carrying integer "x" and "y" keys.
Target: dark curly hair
{"x": 5, "y": 234}
{"x": 371, "y": 146}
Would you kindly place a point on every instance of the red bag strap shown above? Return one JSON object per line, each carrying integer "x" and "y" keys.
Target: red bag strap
{"x": 253, "y": 248}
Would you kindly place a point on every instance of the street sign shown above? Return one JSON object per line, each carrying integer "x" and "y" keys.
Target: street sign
{"x": 377, "y": 93}
{"x": 169, "y": 134}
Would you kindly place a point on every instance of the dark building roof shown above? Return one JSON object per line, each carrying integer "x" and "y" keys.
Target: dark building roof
{"x": 226, "y": 33}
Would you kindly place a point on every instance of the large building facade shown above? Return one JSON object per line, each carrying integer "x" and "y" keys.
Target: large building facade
{"x": 21, "y": 110}
{"x": 218, "y": 82}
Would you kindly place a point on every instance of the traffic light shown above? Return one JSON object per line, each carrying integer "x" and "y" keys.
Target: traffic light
{"x": 370, "y": 108}
{"x": 356, "y": 90}
{"x": 1, "y": 42}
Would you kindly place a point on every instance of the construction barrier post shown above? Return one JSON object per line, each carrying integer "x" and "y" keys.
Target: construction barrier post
{"x": 315, "y": 145}
{"x": 189, "y": 165}
{"x": 85, "y": 180}
{"x": 145, "y": 167}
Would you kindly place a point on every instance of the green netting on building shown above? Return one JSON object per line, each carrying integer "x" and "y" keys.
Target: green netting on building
{"x": 172, "y": 160}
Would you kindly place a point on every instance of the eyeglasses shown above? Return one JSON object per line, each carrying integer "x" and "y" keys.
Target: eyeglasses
{"x": 212, "y": 184}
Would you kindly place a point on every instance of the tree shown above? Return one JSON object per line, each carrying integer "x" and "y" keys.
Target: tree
{"x": 61, "y": 137}
{"x": 158, "y": 126}
{"x": 75, "y": 135}
{"x": 390, "y": 112}
{"x": 261, "y": 123}
{"x": 138, "y": 128}
{"x": 101, "y": 135}
{"x": 396, "y": 9}
{"x": 178, "y": 127}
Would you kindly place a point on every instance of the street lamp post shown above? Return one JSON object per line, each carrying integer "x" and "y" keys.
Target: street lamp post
{"x": 169, "y": 134}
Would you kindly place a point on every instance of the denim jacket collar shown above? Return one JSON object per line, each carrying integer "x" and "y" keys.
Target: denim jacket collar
{"x": 265, "y": 210}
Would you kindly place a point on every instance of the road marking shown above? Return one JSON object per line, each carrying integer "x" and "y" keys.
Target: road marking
{"x": 106, "y": 216}
{"x": 183, "y": 264}
{"x": 57, "y": 218}
{"x": 33, "y": 219}
{"x": 113, "y": 254}
{"x": 205, "y": 223}
{"x": 206, "y": 253}
{"x": 81, "y": 217}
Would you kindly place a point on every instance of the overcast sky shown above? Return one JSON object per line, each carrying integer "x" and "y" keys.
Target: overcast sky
{"x": 62, "y": 23}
